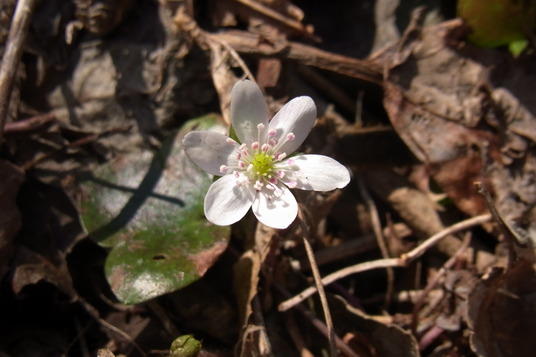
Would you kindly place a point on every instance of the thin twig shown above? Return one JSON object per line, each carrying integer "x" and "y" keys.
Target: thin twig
{"x": 435, "y": 280}
{"x": 510, "y": 235}
{"x": 95, "y": 314}
{"x": 276, "y": 16}
{"x": 295, "y": 335}
{"x": 28, "y": 124}
{"x": 248, "y": 43}
{"x": 402, "y": 261}
{"x": 377, "y": 228}
{"x": 12, "y": 54}
{"x": 317, "y": 323}
{"x": 319, "y": 286}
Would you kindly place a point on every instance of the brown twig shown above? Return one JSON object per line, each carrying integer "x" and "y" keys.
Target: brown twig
{"x": 95, "y": 314}
{"x": 399, "y": 262}
{"x": 88, "y": 139}
{"x": 377, "y": 228}
{"x": 296, "y": 336}
{"x": 511, "y": 236}
{"x": 28, "y": 124}
{"x": 351, "y": 247}
{"x": 276, "y": 16}
{"x": 435, "y": 280}
{"x": 13, "y": 51}
{"x": 245, "y": 42}
{"x": 319, "y": 287}
{"x": 317, "y": 323}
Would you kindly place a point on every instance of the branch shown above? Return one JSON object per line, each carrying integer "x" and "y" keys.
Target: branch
{"x": 403, "y": 261}
{"x": 13, "y": 51}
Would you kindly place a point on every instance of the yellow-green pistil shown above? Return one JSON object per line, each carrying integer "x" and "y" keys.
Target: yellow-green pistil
{"x": 262, "y": 164}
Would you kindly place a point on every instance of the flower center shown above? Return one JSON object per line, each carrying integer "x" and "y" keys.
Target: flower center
{"x": 262, "y": 164}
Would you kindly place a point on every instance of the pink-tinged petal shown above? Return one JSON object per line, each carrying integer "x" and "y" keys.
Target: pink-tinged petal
{"x": 226, "y": 202}
{"x": 315, "y": 172}
{"x": 248, "y": 110}
{"x": 276, "y": 212}
{"x": 210, "y": 150}
{"x": 296, "y": 119}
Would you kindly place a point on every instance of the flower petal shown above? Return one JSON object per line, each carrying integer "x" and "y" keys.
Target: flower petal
{"x": 275, "y": 212}
{"x": 296, "y": 117}
{"x": 248, "y": 109}
{"x": 226, "y": 202}
{"x": 209, "y": 150}
{"x": 314, "y": 172}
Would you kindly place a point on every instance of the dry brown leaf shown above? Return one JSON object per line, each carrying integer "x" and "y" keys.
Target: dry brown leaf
{"x": 374, "y": 338}
{"x": 465, "y": 114}
{"x": 246, "y": 286}
{"x": 51, "y": 228}
{"x": 502, "y": 312}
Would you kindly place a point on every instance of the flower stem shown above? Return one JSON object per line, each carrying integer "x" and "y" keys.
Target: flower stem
{"x": 319, "y": 287}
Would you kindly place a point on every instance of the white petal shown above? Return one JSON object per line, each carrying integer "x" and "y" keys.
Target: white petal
{"x": 248, "y": 109}
{"x": 315, "y": 172}
{"x": 275, "y": 212}
{"x": 209, "y": 150}
{"x": 226, "y": 202}
{"x": 296, "y": 117}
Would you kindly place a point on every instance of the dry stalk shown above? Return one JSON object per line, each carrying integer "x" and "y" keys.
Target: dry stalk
{"x": 12, "y": 54}
{"x": 401, "y": 261}
{"x": 319, "y": 287}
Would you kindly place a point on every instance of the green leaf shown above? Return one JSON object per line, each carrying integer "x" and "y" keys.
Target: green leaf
{"x": 232, "y": 134}
{"x": 517, "y": 47}
{"x": 147, "y": 207}
{"x": 185, "y": 346}
{"x": 496, "y": 23}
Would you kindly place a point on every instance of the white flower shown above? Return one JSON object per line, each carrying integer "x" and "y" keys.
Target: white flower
{"x": 259, "y": 171}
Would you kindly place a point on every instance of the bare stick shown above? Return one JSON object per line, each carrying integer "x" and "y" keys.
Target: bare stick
{"x": 10, "y": 62}
{"x": 376, "y": 226}
{"x": 246, "y": 42}
{"x": 320, "y": 287}
{"x": 274, "y": 15}
{"x": 402, "y": 261}
{"x": 435, "y": 280}
{"x": 317, "y": 323}
{"x": 29, "y": 123}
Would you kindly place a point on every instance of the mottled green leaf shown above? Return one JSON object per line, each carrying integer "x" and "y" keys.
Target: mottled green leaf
{"x": 147, "y": 207}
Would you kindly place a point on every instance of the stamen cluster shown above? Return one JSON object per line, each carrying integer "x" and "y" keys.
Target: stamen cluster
{"x": 261, "y": 165}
